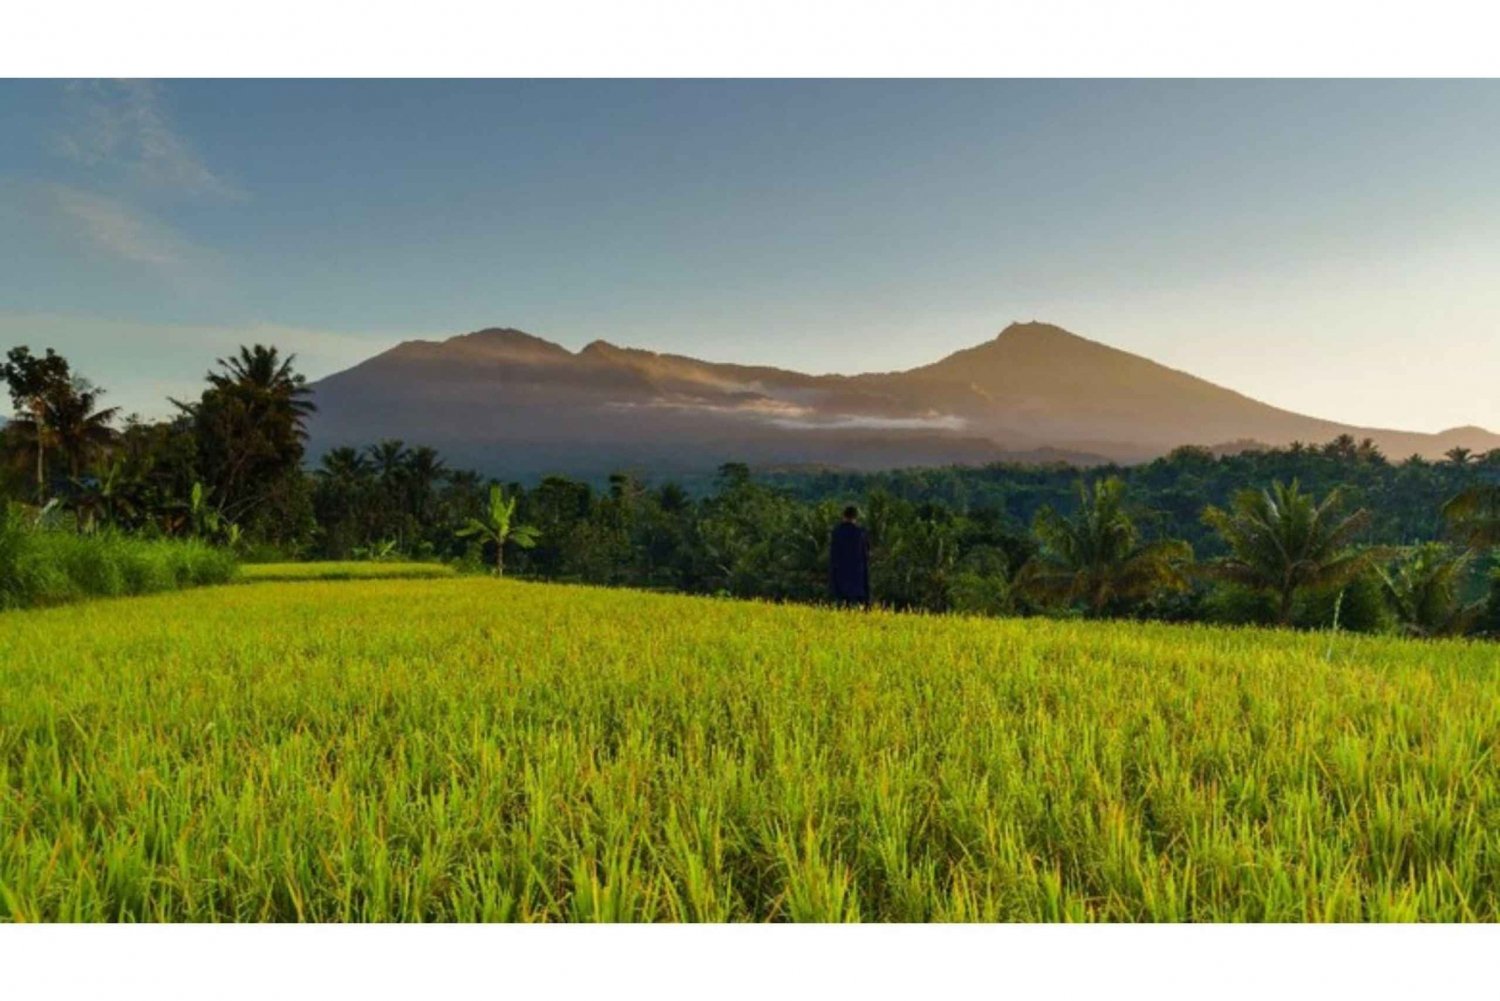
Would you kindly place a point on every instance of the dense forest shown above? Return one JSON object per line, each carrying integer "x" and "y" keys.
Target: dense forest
{"x": 1315, "y": 536}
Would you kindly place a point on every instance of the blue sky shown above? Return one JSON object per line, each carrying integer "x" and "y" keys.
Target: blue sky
{"x": 1326, "y": 246}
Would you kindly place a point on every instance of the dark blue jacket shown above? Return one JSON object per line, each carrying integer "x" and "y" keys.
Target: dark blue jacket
{"x": 849, "y": 562}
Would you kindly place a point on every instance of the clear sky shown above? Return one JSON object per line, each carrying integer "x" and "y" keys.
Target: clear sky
{"x": 1332, "y": 247}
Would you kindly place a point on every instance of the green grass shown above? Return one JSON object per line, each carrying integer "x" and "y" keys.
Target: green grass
{"x": 474, "y": 749}
{"x": 55, "y": 567}
{"x": 350, "y": 570}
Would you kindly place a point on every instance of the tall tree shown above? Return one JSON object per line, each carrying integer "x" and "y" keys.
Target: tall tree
{"x": 1097, "y": 558}
{"x": 424, "y": 470}
{"x": 1282, "y": 541}
{"x": 33, "y": 382}
{"x": 250, "y": 426}
{"x": 80, "y": 428}
{"x": 1459, "y": 456}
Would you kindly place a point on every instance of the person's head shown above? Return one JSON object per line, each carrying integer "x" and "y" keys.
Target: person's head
{"x": 851, "y": 513}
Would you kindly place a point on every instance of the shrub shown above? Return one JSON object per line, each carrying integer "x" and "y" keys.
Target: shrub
{"x": 1488, "y": 623}
{"x": 1360, "y": 605}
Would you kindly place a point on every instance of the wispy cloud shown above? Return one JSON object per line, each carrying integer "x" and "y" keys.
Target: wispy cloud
{"x": 116, "y": 229}
{"x": 124, "y": 124}
{"x": 787, "y": 414}
{"x": 933, "y": 422}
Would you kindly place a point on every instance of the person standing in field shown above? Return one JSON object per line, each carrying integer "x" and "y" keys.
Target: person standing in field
{"x": 849, "y": 561}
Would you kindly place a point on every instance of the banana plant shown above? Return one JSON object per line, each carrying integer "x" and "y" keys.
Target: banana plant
{"x": 497, "y": 527}
{"x": 209, "y": 522}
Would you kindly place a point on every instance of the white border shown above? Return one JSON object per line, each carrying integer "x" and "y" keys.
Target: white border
{"x": 823, "y": 38}
{"x": 1094, "y": 38}
{"x": 1222, "y": 962}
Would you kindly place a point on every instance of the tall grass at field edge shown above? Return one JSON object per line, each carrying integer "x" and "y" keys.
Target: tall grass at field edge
{"x": 44, "y": 567}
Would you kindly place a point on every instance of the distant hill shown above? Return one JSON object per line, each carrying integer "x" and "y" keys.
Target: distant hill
{"x": 509, "y": 403}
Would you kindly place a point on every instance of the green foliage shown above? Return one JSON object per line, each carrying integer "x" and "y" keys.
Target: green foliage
{"x": 1473, "y": 516}
{"x": 497, "y": 527}
{"x": 481, "y": 750}
{"x": 384, "y": 551}
{"x": 981, "y": 583}
{"x": 1403, "y": 498}
{"x": 1487, "y": 620}
{"x": 1283, "y": 541}
{"x": 1228, "y": 603}
{"x": 1096, "y": 559}
{"x": 1358, "y": 605}
{"x": 1426, "y": 591}
{"x": 47, "y": 567}
{"x": 55, "y": 410}
{"x": 388, "y": 494}
{"x": 248, "y": 427}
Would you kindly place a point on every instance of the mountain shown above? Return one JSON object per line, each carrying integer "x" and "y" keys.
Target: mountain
{"x": 508, "y": 403}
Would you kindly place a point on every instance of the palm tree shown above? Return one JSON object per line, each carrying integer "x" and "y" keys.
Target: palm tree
{"x": 65, "y": 420}
{"x": 1474, "y": 515}
{"x": 424, "y": 468}
{"x": 496, "y": 527}
{"x": 343, "y": 465}
{"x": 1459, "y": 456}
{"x": 1369, "y": 452}
{"x": 79, "y": 431}
{"x": 388, "y": 459}
{"x": 260, "y": 371}
{"x": 1343, "y": 447}
{"x": 1097, "y": 557}
{"x": 1281, "y": 541}
{"x": 1427, "y": 591}
{"x": 32, "y": 430}
{"x": 250, "y": 425}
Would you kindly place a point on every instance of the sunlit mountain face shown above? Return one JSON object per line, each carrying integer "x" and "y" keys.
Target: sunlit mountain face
{"x": 512, "y": 404}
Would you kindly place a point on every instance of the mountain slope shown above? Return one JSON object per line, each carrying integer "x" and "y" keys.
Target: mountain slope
{"x": 510, "y": 403}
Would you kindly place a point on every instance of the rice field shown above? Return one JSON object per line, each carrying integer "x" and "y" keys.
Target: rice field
{"x": 344, "y": 570}
{"x": 479, "y": 750}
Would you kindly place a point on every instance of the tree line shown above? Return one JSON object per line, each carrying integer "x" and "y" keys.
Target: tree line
{"x": 1332, "y": 535}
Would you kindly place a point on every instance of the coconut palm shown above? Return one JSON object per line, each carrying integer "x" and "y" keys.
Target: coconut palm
{"x": 262, "y": 372}
{"x": 1097, "y": 558}
{"x": 67, "y": 422}
{"x": 1282, "y": 541}
{"x": 1369, "y": 452}
{"x": 1459, "y": 456}
{"x": 250, "y": 425}
{"x": 424, "y": 469}
{"x": 497, "y": 527}
{"x": 388, "y": 460}
{"x": 80, "y": 428}
{"x": 343, "y": 465}
{"x": 1426, "y": 590}
{"x": 1474, "y": 515}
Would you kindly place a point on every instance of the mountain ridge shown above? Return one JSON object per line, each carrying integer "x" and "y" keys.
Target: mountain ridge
{"x": 509, "y": 402}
